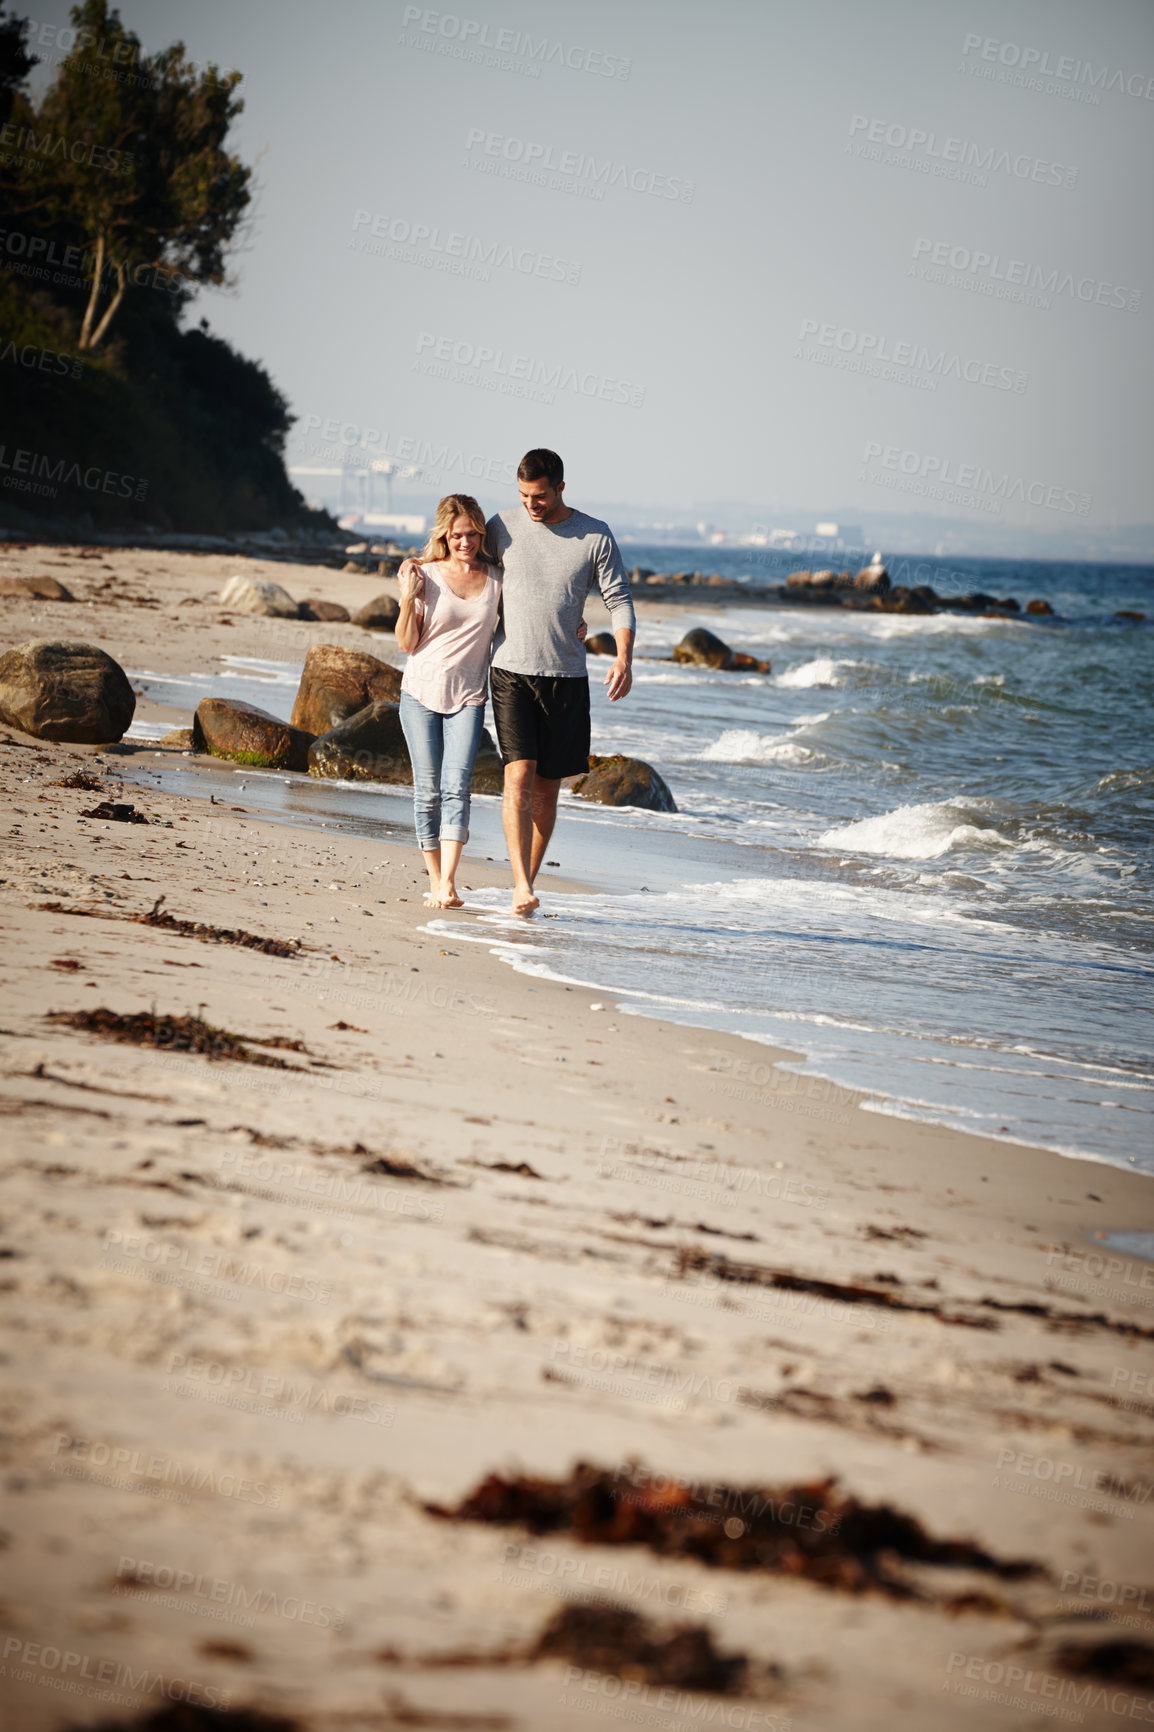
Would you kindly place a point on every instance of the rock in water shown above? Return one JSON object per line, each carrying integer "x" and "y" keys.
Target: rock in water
{"x": 336, "y": 683}
{"x": 701, "y": 648}
{"x": 602, "y": 643}
{"x": 226, "y": 728}
{"x": 380, "y": 614}
{"x": 331, "y": 611}
{"x": 748, "y": 664}
{"x": 620, "y": 781}
{"x": 254, "y": 595}
{"x": 488, "y": 770}
{"x": 366, "y": 747}
{"x": 873, "y": 579}
{"x": 1037, "y": 606}
{"x": 72, "y": 692}
{"x": 39, "y": 588}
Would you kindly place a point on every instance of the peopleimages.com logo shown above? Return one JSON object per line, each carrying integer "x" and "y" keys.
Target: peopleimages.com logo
{"x": 466, "y": 38}
{"x": 989, "y": 273}
{"x": 1037, "y": 63}
{"x": 955, "y": 158}
{"x": 965, "y": 483}
{"x": 535, "y": 161}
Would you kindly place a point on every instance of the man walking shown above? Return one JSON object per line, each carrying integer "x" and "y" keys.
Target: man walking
{"x": 552, "y": 555}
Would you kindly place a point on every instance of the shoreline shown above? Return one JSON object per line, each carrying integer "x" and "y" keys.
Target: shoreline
{"x": 475, "y": 1227}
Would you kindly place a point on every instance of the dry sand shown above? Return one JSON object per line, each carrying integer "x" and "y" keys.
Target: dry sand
{"x": 243, "y": 1353}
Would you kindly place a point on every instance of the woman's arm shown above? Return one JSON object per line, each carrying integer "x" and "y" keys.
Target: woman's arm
{"x": 407, "y": 632}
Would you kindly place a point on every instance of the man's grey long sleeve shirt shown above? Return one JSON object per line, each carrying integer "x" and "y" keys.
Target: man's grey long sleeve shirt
{"x": 549, "y": 570}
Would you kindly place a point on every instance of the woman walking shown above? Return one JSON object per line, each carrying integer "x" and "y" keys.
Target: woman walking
{"x": 449, "y": 604}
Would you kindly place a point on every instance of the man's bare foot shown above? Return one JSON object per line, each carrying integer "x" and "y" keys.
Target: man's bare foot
{"x": 524, "y": 902}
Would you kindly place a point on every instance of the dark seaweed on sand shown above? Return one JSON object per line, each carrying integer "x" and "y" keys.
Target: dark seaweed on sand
{"x": 809, "y": 1530}
{"x": 176, "y": 1034}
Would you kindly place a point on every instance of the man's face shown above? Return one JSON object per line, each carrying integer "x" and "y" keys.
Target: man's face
{"x": 541, "y": 500}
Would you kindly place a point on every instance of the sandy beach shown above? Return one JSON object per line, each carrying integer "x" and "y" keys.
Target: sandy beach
{"x": 274, "y": 1316}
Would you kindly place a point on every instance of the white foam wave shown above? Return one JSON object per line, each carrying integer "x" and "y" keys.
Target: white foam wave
{"x": 822, "y": 671}
{"x": 913, "y": 833}
{"x": 747, "y": 746}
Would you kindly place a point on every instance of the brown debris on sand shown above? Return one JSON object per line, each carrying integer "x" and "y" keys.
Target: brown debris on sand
{"x": 176, "y": 1034}
{"x": 622, "y": 1643}
{"x": 191, "y": 1717}
{"x": 809, "y": 1530}
{"x": 694, "y": 1259}
{"x": 197, "y": 929}
{"x": 116, "y": 812}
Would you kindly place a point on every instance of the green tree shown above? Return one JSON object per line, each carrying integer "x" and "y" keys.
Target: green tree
{"x": 15, "y": 61}
{"x": 145, "y": 177}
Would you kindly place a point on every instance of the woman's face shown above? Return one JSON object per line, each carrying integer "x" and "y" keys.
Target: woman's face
{"x": 464, "y": 537}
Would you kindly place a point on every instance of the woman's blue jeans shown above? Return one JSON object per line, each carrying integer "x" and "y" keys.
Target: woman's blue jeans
{"x": 442, "y": 750}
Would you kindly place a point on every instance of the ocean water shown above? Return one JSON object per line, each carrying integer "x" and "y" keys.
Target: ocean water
{"x": 918, "y": 852}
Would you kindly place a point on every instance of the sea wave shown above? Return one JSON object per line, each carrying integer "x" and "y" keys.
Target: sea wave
{"x": 822, "y": 671}
{"x": 915, "y": 832}
{"x": 747, "y": 746}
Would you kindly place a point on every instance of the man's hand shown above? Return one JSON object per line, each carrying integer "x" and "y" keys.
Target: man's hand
{"x": 411, "y": 580}
{"x": 618, "y": 678}
{"x": 582, "y": 632}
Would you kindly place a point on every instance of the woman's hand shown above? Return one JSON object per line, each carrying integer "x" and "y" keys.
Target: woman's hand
{"x": 411, "y": 580}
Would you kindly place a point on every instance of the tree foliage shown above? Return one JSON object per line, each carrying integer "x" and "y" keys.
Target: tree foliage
{"x": 133, "y": 159}
{"x": 124, "y": 160}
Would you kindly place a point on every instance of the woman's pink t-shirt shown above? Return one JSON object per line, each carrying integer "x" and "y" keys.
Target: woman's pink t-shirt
{"x": 450, "y": 665}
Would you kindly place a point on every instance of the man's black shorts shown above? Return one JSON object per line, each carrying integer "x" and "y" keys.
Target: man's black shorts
{"x": 542, "y": 718}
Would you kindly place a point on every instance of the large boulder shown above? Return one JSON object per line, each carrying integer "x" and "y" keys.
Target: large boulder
{"x": 72, "y": 692}
{"x": 488, "y": 770}
{"x": 873, "y": 579}
{"x": 620, "y": 781}
{"x": 902, "y": 600}
{"x": 332, "y": 611}
{"x": 1038, "y": 606}
{"x": 380, "y": 614}
{"x": 366, "y": 747}
{"x": 227, "y": 728}
{"x": 601, "y": 643}
{"x": 37, "y": 588}
{"x": 255, "y": 595}
{"x": 370, "y": 747}
{"x": 336, "y": 683}
{"x": 700, "y": 648}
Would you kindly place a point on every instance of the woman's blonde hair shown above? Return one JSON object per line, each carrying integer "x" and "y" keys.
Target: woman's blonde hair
{"x": 454, "y": 505}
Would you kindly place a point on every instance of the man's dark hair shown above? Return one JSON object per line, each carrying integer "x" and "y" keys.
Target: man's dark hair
{"x": 541, "y": 465}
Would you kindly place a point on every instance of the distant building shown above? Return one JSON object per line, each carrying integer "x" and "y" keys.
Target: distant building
{"x": 404, "y": 523}
{"x": 849, "y": 534}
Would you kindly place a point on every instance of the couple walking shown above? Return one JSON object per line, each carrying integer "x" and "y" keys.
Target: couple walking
{"x": 513, "y": 588}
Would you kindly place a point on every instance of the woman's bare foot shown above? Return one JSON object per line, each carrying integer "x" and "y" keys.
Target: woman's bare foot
{"x": 524, "y": 901}
{"x": 433, "y": 897}
{"x": 449, "y": 897}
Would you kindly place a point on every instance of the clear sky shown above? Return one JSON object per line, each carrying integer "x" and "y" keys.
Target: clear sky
{"x": 705, "y": 233}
